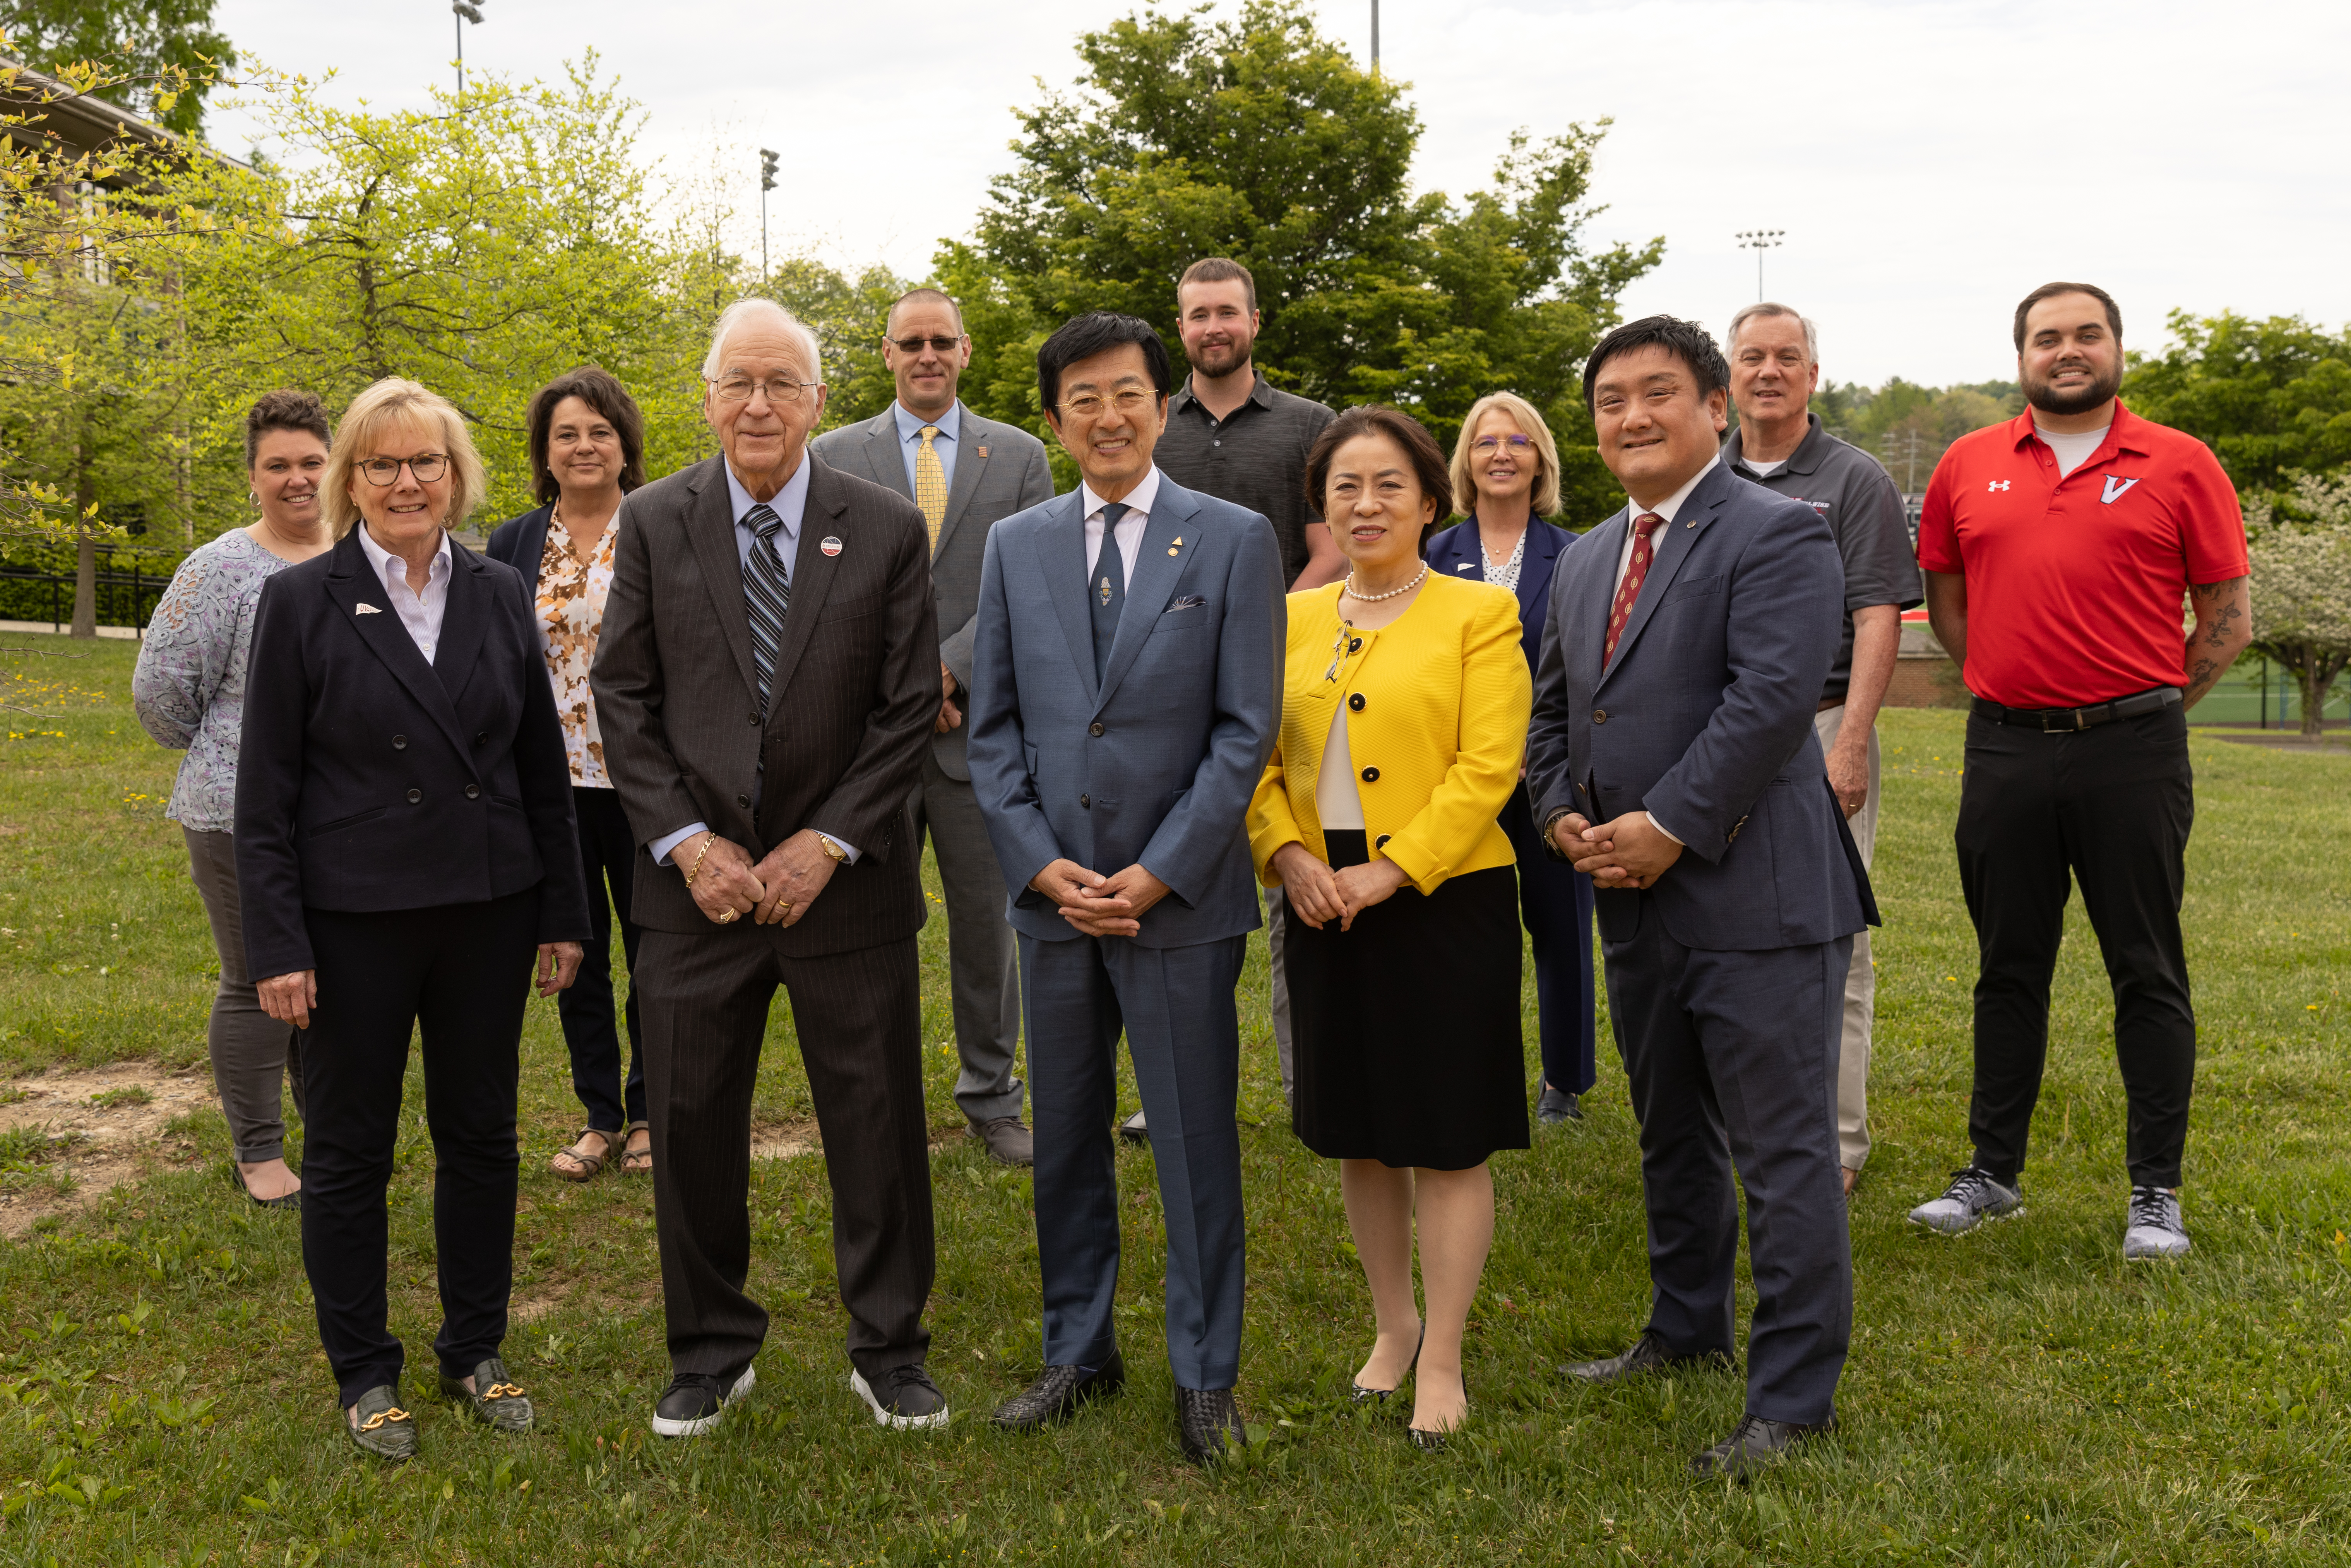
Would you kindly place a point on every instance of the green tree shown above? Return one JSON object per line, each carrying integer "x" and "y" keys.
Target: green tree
{"x": 167, "y": 52}
{"x": 2269, "y": 396}
{"x": 1256, "y": 138}
{"x": 2300, "y": 544}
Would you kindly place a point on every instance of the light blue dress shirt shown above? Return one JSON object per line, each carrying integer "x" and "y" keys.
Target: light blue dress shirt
{"x": 790, "y": 504}
{"x": 910, "y": 439}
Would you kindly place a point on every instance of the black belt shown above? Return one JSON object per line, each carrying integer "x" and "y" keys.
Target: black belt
{"x": 2054, "y": 720}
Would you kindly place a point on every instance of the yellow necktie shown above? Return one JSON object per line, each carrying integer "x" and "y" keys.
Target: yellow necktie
{"x": 931, "y": 484}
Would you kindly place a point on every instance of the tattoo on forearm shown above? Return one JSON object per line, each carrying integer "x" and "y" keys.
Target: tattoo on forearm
{"x": 2223, "y": 604}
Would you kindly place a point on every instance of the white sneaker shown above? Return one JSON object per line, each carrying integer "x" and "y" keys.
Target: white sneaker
{"x": 1973, "y": 1196}
{"x": 2155, "y": 1230}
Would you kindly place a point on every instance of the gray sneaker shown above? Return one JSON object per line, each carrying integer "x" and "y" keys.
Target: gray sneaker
{"x": 2155, "y": 1230}
{"x": 1973, "y": 1196}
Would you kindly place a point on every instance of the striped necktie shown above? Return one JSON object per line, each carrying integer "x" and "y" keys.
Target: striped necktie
{"x": 767, "y": 593}
{"x": 931, "y": 484}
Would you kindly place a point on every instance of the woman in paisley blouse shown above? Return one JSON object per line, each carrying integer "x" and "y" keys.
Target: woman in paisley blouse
{"x": 587, "y": 451}
{"x": 189, "y": 691}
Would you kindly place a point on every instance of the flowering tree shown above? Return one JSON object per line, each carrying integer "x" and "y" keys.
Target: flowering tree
{"x": 2300, "y": 547}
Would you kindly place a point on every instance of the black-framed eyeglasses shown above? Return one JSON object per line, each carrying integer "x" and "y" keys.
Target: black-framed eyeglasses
{"x": 782, "y": 392}
{"x": 936, "y": 345}
{"x": 425, "y": 467}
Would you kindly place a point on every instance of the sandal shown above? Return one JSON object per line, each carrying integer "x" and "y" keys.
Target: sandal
{"x": 636, "y": 1162}
{"x": 584, "y": 1166}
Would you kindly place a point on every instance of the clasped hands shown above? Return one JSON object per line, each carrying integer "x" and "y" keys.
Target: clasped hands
{"x": 1321, "y": 895}
{"x": 1628, "y": 853}
{"x": 1101, "y": 905}
{"x": 288, "y": 999}
{"x": 775, "y": 892}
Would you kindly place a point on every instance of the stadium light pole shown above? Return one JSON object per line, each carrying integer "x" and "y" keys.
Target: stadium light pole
{"x": 1758, "y": 241}
{"x": 465, "y": 11}
{"x": 1376, "y": 37}
{"x": 767, "y": 184}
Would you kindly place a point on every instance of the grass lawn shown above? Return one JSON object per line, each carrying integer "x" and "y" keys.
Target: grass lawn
{"x": 2018, "y": 1395}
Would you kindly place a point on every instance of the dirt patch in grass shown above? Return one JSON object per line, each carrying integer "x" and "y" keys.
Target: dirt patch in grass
{"x": 784, "y": 1140}
{"x": 103, "y": 1126}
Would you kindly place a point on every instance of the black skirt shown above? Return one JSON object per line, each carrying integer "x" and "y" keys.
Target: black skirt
{"x": 1406, "y": 1031}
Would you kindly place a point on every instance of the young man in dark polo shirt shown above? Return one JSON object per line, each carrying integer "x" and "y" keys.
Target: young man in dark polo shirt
{"x": 2058, "y": 546}
{"x": 1232, "y": 435}
{"x": 1775, "y": 368}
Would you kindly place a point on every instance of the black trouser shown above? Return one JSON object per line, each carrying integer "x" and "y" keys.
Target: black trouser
{"x": 1555, "y": 903}
{"x": 608, "y": 853}
{"x": 2109, "y": 806}
{"x": 859, "y": 1018}
{"x": 460, "y": 974}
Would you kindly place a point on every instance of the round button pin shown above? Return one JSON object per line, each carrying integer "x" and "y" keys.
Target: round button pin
{"x": 830, "y": 545}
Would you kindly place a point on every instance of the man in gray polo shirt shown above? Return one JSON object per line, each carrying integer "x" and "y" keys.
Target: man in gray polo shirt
{"x": 1779, "y": 445}
{"x": 1232, "y": 435}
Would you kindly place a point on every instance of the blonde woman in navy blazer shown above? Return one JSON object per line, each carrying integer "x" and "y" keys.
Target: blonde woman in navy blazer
{"x": 1506, "y": 481}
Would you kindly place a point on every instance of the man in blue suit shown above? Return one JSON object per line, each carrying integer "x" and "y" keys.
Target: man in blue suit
{"x": 1674, "y": 761}
{"x": 1125, "y": 691}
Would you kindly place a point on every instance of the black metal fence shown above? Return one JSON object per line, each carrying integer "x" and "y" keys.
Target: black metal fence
{"x": 127, "y": 593}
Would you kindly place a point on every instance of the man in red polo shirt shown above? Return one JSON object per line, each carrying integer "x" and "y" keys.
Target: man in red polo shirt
{"x": 2058, "y": 549}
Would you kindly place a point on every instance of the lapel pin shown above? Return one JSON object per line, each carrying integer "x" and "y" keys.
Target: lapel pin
{"x": 831, "y": 545}
{"x": 1691, "y": 524}
{"x": 367, "y": 610}
{"x": 983, "y": 451}
{"x": 1177, "y": 545}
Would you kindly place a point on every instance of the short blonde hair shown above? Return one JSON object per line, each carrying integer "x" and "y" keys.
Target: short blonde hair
{"x": 1530, "y": 425}
{"x": 389, "y": 401}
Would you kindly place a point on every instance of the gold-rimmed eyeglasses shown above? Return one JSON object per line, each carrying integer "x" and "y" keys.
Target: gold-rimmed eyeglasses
{"x": 1087, "y": 406}
{"x": 425, "y": 468}
{"x": 781, "y": 391}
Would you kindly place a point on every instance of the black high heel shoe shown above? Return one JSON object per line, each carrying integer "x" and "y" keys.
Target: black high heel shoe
{"x": 291, "y": 1201}
{"x": 1434, "y": 1442}
{"x": 1359, "y": 1395}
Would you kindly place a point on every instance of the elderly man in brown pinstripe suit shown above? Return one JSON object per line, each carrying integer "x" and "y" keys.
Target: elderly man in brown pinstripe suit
{"x": 766, "y": 682}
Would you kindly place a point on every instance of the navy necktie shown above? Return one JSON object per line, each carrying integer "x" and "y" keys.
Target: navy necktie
{"x": 767, "y": 593}
{"x": 1107, "y": 596}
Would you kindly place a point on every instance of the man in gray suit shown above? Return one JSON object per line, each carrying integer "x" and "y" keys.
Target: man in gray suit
{"x": 1126, "y": 683}
{"x": 963, "y": 473}
{"x": 1673, "y": 760}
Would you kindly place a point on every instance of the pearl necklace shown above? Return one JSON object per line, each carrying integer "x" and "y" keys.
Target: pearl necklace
{"x": 1350, "y": 587}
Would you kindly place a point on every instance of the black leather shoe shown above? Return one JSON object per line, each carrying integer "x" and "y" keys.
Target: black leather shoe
{"x": 1359, "y": 1395}
{"x": 1134, "y": 1129}
{"x": 1554, "y": 1105}
{"x": 904, "y": 1399}
{"x": 693, "y": 1401}
{"x": 1056, "y": 1395}
{"x": 1208, "y": 1420}
{"x": 1648, "y": 1355}
{"x": 1753, "y": 1444}
{"x": 382, "y": 1427}
{"x": 495, "y": 1400}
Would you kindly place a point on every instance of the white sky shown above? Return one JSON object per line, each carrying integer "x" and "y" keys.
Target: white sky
{"x": 1931, "y": 160}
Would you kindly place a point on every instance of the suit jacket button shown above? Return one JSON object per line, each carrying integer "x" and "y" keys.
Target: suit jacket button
{"x": 1382, "y": 842}
{"x": 481, "y": 738}
{"x": 1094, "y": 729}
{"x": 414, "y": 795}
{"x": 1354, "y": 644}
{"x": 472, "y": 791}
{"x": 1356, "y": 702}
{"x": 755, "y": 718}
{"x": 400, "y": 743}
{"x": 1085, "y": 803}
{"x": 744, "y": 801}
{"x": 1600, "y": 716}
{"x": 1371, "y": 775}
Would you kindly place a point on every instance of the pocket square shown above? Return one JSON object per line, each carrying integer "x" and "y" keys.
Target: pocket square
{"x": 1189, "y": 602}
{"x": 367, "y": 610}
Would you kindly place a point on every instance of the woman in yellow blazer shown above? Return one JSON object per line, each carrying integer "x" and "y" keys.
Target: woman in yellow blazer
{"x": 1404, "y": 701}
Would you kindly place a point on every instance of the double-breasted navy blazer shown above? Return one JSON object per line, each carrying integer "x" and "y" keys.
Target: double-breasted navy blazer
{"x": 369, "y": 779}
{"x": 1704, "y": 717}
{"x": 1454, "y": 552}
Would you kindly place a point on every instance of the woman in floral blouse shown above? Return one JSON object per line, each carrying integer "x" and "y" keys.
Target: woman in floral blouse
{"x": 587, "y": 451}
{"x": 189, "y": 690}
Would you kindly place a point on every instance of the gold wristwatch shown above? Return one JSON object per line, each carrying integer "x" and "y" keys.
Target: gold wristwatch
{"x": 833, "y": 850}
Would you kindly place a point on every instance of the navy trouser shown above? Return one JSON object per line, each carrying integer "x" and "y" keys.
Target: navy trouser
{"x": 608, "y": 853}
{"x": 1732, "y": 1058}
{"x": 1555, "y": 901}
{"x": 1175, "y": 1006}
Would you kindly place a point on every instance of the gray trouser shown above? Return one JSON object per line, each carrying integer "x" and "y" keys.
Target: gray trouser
{"x": 1860, "y": 981}
{"x": 251, "y": 1051}
{"x": 983, "y": 962}
{"x": 1276, "y": 901}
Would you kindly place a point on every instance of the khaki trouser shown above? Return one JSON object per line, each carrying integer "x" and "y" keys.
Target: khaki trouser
{"x": 1861, "y": 980}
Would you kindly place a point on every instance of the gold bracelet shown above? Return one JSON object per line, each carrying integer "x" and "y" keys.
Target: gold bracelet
{"x": 699, "y": 859}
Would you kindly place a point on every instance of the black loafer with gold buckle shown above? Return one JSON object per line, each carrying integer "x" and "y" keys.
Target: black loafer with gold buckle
{"x": 379, "y": 1426}
{"x": 495, "y": 1400}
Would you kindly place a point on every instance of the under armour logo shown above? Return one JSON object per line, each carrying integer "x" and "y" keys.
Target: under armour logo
{"x": 1997, "y": 484}
{"x": 2116, "y": 489}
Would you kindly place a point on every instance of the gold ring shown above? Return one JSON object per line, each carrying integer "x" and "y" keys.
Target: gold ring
{"x": 782, "y": 909}
{"x": 726, "y": 917}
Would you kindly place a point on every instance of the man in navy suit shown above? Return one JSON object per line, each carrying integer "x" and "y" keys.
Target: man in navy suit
{"x": 1126, "y": 683}
{"x": 1674, "y": 761}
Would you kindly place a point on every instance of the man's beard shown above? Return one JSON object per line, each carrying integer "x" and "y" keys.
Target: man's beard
{"x": 1228, "y": 360}
{"x": 2046, "y": 397}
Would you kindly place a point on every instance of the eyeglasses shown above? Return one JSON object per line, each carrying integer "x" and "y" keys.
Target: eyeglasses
{"x": 1086, "y": 406}
{"x": 425, "y": 468}
{"x": 781, "y": 393}
{"x": 1487, "y": 445}
{"x": 937, "y": 345}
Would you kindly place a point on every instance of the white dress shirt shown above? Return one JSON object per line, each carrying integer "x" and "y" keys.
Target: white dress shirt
{"x": 1130, "y": 527}
{"x": 790, "y": 505}
{"x": 1668, "y": 509}
{"x": 420, "y": 612}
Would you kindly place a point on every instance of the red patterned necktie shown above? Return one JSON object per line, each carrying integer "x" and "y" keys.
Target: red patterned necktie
{"x": 1628, "y": 592}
